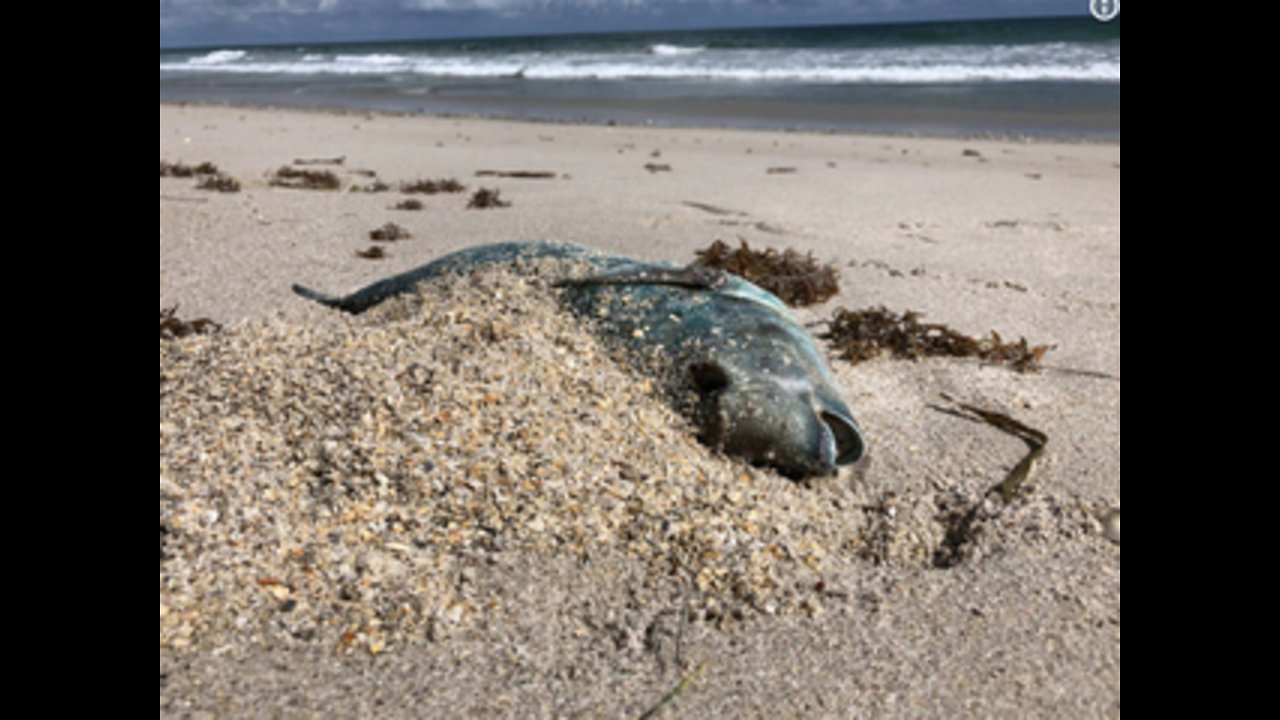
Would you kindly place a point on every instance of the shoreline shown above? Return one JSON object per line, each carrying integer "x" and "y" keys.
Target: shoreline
{"x": 873, "y": 125}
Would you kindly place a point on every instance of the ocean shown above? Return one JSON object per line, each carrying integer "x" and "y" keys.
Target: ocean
{"x": 1034, "y": 77}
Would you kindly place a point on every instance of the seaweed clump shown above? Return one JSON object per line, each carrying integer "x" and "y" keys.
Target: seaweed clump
{"x": 863, "y": 334}
{"x": 389, "y": 233}
{"x": 172, "y": 327}
{"x": 796, "y": 279}
{"x": 321, "y": 161}
{"x": 168, "y": 169}
{"x": 485, "y": 198}
{"x": 433, "y": 187}
{"x": 306, "y": 179}
{"x": 210, "y": 178}
{"x": 218, "y": 183}
{"x": 525, "y": 174}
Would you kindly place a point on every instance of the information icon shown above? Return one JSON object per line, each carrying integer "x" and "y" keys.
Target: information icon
{"x": 1104, "y": 10}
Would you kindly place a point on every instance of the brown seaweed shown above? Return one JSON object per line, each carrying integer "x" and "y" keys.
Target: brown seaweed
{"x": 1035, "y": 440}
{"x": 485, "y": 198}
{"x": 410, "y": 204}
{"x": 433, "y": 187}
{"x": 796, "y": 279}
{"x": 713, "y": 209}
{"x": 305, "y": 179}
{"x": 210, "y": 178}
{"x": 519, "y": 174}
{"x": 218, "y": 183}
{"x": 863, "y": 334}
{"x": 372, "y": 253}
{"x": 321, "y": 161}
{"x": 168, "y": 169}
{"x": 172, "y": 327}
{"x": 657, "y": 167}
{"x": 389, "y": 232}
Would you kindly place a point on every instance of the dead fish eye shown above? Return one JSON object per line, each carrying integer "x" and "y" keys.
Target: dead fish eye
{"x": 708, "y": 377}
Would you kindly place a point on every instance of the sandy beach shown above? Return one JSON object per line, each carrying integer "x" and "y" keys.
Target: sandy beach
{"x": 464, "y": 506}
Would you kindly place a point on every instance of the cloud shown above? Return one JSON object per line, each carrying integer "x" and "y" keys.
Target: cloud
{"x": 203, "y": 22}
{"x": 253, "y": 21}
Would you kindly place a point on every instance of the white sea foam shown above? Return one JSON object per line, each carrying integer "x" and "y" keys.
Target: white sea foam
{"x": 674, "y": 50}
{"x": 218, "y": 57}
{"x": 947, "y": 64}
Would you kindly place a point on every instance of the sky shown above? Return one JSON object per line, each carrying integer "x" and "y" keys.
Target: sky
{"x": 249, "y": 22}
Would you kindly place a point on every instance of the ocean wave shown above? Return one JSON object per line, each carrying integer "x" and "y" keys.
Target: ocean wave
{"x": 218, "y": 57}
{"x": 375, "y": 61}
{"x": 955, "y": 64}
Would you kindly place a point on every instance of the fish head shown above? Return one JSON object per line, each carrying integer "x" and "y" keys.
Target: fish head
{"x": 790, "y": 421}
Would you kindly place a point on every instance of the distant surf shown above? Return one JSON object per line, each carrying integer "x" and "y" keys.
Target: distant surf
{"x": 1054, "y": 65}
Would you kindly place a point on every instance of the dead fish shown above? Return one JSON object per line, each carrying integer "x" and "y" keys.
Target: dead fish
{"x": 761, "y": 388}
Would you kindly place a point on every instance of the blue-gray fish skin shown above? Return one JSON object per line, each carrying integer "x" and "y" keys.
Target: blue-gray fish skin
{"x": 763, "y": 390}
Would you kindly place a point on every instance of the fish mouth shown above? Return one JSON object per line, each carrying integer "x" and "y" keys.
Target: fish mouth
{"x": 782, "y": 423}
{"x": 842, "y": 443}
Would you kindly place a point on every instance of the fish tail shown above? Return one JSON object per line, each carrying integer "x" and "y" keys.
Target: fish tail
{"x": 322, "y": 298}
